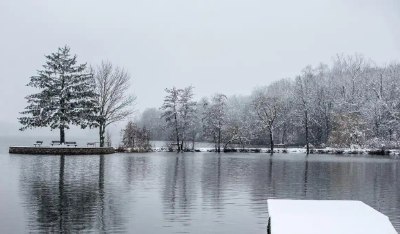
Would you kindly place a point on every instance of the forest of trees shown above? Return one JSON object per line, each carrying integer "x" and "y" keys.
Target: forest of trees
{"x": 352, "y": 103}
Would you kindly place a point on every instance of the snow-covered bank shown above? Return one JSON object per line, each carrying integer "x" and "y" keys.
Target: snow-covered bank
{"x": 295, "y": 150}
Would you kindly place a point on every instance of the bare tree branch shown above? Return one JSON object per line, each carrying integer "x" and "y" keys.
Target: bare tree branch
{"x": 116, "y": 104}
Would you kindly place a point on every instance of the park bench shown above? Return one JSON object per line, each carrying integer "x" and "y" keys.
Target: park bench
{"x": 38, "y": 143}
{"x": 55, "y": 143}
{"x": 91, "y": 143}
{"x": 68, "y": 143}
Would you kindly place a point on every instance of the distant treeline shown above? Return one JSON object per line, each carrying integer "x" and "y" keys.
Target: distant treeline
{"x": 353, "y": 102}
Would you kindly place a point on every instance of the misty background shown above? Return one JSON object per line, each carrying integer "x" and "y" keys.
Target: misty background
{"x": 226, "y": 46}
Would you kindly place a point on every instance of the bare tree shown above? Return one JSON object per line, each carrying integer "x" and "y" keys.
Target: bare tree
{"x": 195, "y": 129}
{"x": 136, "y": 138}
{"x": 352, "y": 94}
{"x": 171, "y": 112}
{"x": 239, "y": 123}
{"x": 348, "y": 130}
{"x": 112, "y": 87}
{"x": 267, "y": 109}
{"x": 284, "y": 126}
{"x": 303, "y": 92}
{"x": 214, "y": 119}
{"x": 187, "y": 112}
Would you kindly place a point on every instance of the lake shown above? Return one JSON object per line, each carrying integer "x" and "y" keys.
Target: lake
{"x": 181, "y": 193}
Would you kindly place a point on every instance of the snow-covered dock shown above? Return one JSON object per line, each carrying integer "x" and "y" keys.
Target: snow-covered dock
{"x": 325, "y": 217}
{"x": 60, "y": 150}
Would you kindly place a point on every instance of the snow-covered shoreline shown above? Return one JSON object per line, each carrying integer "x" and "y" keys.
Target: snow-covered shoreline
{"x": 292, "y": 150}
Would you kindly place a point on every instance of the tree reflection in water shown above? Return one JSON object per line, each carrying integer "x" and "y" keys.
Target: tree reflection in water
{"x": 179, "y": 190}
{"x": 202, "y": 193}
{"x": 72, "y": 199}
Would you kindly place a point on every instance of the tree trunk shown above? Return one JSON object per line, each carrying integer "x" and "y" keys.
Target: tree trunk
{"x": 219, "y": 140}
{"x": 306, "y": 126}
{"x": 102, "y": 129}
{"x": 193, "y": 140}
{"x": 100, "y": 136}
{"x": 62, "y": 106}
{"x": 182, "y": 144}
{"x": 177, "y": 133}
{"x": 62, "y": 135}
{"x": 271, "y": 136}
{"x": 215, "y": 142}
{"x": 177, "y": 143}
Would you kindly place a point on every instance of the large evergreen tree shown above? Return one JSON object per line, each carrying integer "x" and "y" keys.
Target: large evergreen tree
{"x": 67, "y": 95}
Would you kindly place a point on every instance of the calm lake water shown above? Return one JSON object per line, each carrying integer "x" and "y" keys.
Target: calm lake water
{"x": 180, "y": 193}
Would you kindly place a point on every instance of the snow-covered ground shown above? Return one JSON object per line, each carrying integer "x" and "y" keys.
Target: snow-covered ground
{"x": 295, "y": 150}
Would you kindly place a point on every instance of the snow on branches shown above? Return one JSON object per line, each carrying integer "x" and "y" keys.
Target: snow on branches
{"x": 66, "y": 95}
{"x": 179, "y": 112}
{"x": 352, "y": 102}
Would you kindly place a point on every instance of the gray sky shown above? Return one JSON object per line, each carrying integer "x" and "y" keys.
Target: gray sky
{"x": 227, "y": 46}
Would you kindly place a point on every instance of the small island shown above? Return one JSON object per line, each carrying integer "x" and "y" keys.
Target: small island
{"x": 75, "y": 94}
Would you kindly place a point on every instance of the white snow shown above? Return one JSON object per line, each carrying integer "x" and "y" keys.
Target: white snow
{"x": 326, "y": 217}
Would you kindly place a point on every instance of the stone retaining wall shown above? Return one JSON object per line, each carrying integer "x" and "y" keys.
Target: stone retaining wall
{"x": 60, "y": 150}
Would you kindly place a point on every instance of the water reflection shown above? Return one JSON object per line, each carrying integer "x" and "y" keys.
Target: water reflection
{"x": 179, "y": 190}
{"x": 305, "y": 177}
{"x": 137, "y": 170}
{"x": 70, "y": 199}
{"x": 192, "y": 193}
{"x": 211, "y": 184}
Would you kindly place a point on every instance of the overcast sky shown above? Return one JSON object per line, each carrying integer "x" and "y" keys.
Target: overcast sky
{"x": 227, "y": 46}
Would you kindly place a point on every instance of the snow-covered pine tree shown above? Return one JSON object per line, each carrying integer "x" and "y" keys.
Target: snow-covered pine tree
{"x": 67, "y": 95}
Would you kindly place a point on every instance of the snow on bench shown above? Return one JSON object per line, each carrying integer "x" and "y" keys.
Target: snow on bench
{"x": 325, "y": 217}
{"x": 91, "y": 143}
{"x": 38, "y": 143}
{"x": 55, "y": 143}
{"x": 69, "y": 143}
